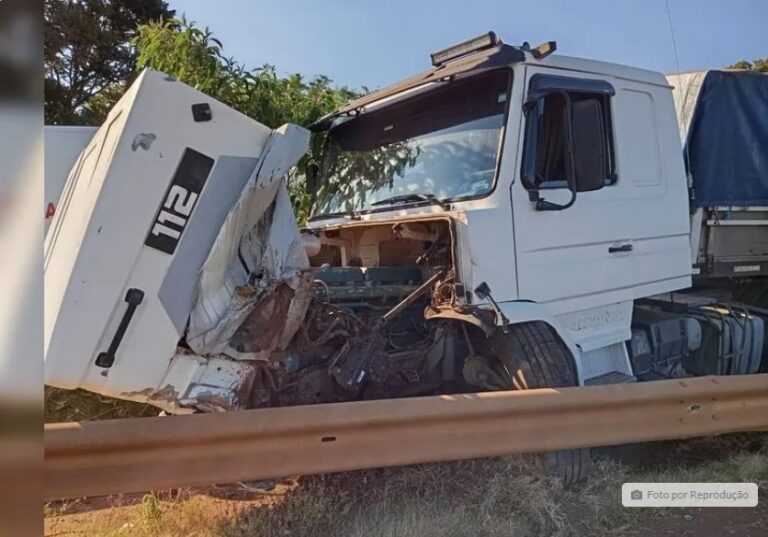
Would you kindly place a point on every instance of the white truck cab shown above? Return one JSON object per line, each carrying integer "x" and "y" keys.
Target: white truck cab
{"x": 576, "y": 260}
{"x": 509, "y": 219}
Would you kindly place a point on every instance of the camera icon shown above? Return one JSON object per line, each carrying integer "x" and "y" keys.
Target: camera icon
{"x": 636, "y": 495}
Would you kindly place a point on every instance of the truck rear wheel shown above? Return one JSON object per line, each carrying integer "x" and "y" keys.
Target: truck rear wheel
{"x": 533, "y": 356}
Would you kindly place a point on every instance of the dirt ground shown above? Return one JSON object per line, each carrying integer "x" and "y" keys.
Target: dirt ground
{"x": 740, "y": 522}
{"x": 493, "y": 497}
{"x": 713, "y": 522}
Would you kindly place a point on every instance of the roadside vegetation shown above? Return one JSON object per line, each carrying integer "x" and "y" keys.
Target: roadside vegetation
{"x": 79, "y": 405}
{"x": 490, "y": 497}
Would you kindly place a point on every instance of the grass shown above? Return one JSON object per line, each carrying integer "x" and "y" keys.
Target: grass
{"x": 490, "y": 497}
{"x": 79, "y": 405}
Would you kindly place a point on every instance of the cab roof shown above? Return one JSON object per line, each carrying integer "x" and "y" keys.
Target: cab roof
{"x": 494, "y": 57}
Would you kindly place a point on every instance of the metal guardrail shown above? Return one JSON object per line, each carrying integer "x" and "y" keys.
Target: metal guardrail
{"x": 104, "y": 457}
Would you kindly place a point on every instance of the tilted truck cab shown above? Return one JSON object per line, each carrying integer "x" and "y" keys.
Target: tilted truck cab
{"x": 509, "y": 219}
{"x": 139, "y": 215}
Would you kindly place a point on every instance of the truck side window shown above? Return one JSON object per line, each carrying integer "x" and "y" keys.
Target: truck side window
{"x": 593, "y": 141}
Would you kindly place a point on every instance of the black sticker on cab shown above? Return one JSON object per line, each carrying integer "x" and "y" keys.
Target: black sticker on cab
{"x": 179, "y": 201}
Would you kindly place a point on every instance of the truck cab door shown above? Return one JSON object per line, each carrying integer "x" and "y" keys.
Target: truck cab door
{"x": 572, "y": 214}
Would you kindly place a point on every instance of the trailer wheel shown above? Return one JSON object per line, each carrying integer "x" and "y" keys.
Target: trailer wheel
{"x": 534, "y": 356}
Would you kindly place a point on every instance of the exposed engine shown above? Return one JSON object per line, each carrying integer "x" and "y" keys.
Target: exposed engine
{"x": 374, "y": 325}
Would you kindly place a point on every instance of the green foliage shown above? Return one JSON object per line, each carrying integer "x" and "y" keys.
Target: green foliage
{"x": 195, "y": 57}
{"x": 760, "y": 65}
{"x": 88, "y": 53}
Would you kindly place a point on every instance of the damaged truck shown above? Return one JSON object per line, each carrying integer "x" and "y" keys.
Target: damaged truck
{"x": 508, "y": 219}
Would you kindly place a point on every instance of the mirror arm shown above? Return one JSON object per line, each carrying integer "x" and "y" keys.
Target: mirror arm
{"x": 544, "y": 205}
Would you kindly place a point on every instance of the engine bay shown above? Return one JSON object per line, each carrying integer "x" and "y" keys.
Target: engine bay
{"x": 374, "y": 326}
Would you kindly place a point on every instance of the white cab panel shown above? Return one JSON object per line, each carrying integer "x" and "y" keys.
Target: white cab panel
{"x": 135, "y": 225}
{"x": 585, "y": 264}
{"x": 62, "y": 147}
{"x": 625, "y": 240}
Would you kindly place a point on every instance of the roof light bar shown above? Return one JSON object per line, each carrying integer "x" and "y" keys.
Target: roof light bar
{"x": 466, "y": 47}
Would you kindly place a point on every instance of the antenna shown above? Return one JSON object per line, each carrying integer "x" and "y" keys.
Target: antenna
{"x": 683, "y": 112}
{"x": 672, "y": 33}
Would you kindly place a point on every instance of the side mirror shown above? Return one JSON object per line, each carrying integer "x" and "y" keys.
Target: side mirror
{"x": 570, "y": 165}
{"x": 585, "y": 149}
{"x": 588, "y": 139}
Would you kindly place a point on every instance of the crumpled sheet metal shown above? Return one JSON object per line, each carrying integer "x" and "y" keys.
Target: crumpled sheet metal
{"x": 258, "y": 246}
{"x": 274, "y": 319}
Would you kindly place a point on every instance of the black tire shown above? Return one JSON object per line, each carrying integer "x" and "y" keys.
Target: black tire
{"x": 534, "y": 356}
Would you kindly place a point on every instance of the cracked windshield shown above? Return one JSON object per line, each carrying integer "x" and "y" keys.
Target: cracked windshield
{"x": 443, "y": 144}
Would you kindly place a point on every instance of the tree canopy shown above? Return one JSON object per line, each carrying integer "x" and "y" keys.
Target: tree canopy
{"x": 88, "y": 55}
{"x": 195, "y": 57}
{"x": 760, "y": 65}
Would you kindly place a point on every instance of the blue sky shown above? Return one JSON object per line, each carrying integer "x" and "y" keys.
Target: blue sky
{"x": 366, "y": 43}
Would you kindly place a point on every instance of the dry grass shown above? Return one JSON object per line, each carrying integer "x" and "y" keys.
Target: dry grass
{"x": 79, "y": 405}
{"x": 495, "y": 497}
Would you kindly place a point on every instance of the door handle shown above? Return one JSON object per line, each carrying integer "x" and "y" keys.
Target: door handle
{"x": 622, "y": 248}
{"x": 133, "y": 297}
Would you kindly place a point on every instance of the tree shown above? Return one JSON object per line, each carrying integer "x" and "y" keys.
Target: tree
{"x": 195, "y": 57}
{"x": 760, "y": 65}
{"x": 88, "y": 53}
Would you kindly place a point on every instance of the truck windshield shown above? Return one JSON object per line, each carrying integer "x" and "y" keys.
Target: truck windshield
{"x": 442, "y": 144}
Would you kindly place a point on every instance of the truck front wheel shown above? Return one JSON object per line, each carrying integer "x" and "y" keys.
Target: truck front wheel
{"x": 531, "y": 355}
